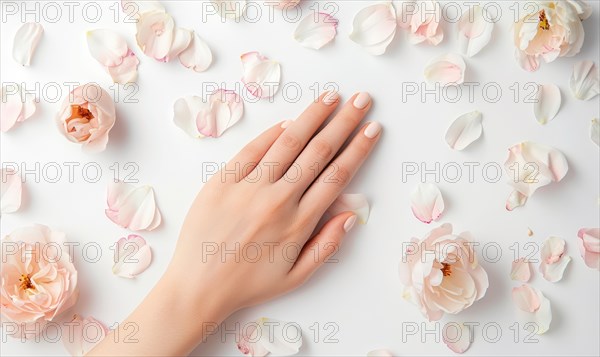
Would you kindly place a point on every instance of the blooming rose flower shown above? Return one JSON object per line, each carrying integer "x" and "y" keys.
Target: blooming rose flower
{"x": 39, "y": 282}
{"x": 86, "y": 117}
{"x": 555, "y": 30}
{"x": 441, "y": 273}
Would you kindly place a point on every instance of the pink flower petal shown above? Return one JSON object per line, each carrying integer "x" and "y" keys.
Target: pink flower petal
{"x": 585, "y": 82}
{"x": 474, "y": 30}
{"x": 197, "y": 56}
{"x": 132, "y": 256}
{"x": 26, "y": 40}
{"x": 448, "y": 69}
{"x": 427, "y": 202}
{"x": 553, "y": 259}
{"x": 134, "y": 8}
{"x": 132, "y": 207}
{"x": 421, "y": 18}
{"x": 464, "y": 130}
{"x": 547, "y": 103}
{"x": 533, "y": 307}
{"x": 526, "y": 298}
{"x": 15, "y": 106}
{"x": 316, "y": 30}
{"x": 354, "y": 202}
{"x": 262, "y": 76}
{"x": 521, "y": 270}
{"x": 182, "y": 40}
{"x": 107, "y": 47}
{"x": 79, "y": 335}
{"x": 379, "y": 353}
{"x": 589, "y": 246}
{"x": 11, "y": 189}
{"x": 126, "y": 72}
{"x": 155, "y": 34}
{"x": 374, "y": 27}
{"x": 457, "y": 337}
{"x": 266, "y": 336}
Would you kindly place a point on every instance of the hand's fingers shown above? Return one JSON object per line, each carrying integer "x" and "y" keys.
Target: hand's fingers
{"x": 321, "y": 247}
{"x": 246, "y": 160}
{"x": 323, "y": 147}
{"x": 339, "y": 173}
{"x": 292, "y": 141}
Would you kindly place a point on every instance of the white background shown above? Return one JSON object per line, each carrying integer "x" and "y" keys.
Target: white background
{"x": 361, "y": 293}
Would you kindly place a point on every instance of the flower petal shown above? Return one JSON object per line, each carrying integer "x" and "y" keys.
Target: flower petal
{"x": 521, "y": 270}
{"x": 132, "y": 207}
{"x": 427, "y": 202}
{"x": 107, "y": 47}
{"x": 547, "y": 103}
{"x": 26, "y": 41}
{"x": 15, "y": 106}
{"x": 79, "y": 336}
{"x": 230, "y": 9}
{"x": 448, "y": 69}
{"x": 11, "y": 189}
{"x": 379, "y": 353}
{"x": 457, "y": 337}
{"x": 316, "y": 30}
{"x": 156, "y": 35}
{"x": 526, "y": 298}
{"x": 464, "y": 130}
{"x": 374, "y": 27}
{"x": 185, "y": 113}
{"x": 126, "y": 72}
{"x": 134, "y": 8}
{"x": 132, "y": 256}
{"x": 553, "y": 261}
{"x": 266, "y": 336}
{"x": 595, "y": 131}
{"x": 197, "y": 56}
{"x": 534, "y": 307}
{"x": 589, "y": 246}
{"x": 355, "y": 202}
{"x": 225, "y": 109}
{"x": 474, "y": 30}
{"x": 261, "y": 75}
{"x": 584, "y": 80}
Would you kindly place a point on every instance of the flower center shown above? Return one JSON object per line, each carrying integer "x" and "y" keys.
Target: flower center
{"x": 78, "y": 124}
{"x": 25, "y": 280}
{"x": 446, "y": 269}
{"x": 543, "y": 24}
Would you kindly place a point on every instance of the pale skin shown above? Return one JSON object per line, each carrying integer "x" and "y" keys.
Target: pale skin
{"x": 264, "y": 210}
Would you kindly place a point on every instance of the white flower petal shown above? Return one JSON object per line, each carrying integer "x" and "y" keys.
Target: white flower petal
{"x": 547, "y": 103}
{"x": 374, "y": 27}
{"x": 448, "y": 69}
{"x": 595, "y": 131}
{"x": 107, "y": 47}
{"x": 474, "y": 30}
{"x": 316, "y": 30}
{"x": 16, "y": 106}
{"x": 427, "y": 202}
{"x": 589, "y": 246}
{"x": 262, "y": 76}
{"x": 225, "y": 109}
{"x": 134, "y": 8}
{"x": 185, "y": 113}
{"x": 272, "y": 336}
{"x": 126, "y": 72}
{"x": 515, "y": 199}
{"x": 533, "y": 307}
{"x": 156, "y": 35}
{"x": 379, "y": 353}
{"x": 526, "y": 298}
{"x": 464, "y": 130}
{"x": 132, "y": 256}
{"x": 230, "y": 9}
{"x": 11, "y": 189}
{"x": 132, "y": 207}
{"x": 355, "y": 202}
{"x": 197, "y": 56}
{"x": 553, "y": 261}
{"x": 521, "y": 270}
{"x": 79, "y": 336}
{"x": 26, "y": 41}
{"x": 457, "y": 337}
{"x": 584, "y": 80}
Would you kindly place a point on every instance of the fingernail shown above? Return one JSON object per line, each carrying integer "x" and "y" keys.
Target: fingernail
{"x": 372, "y": 130}
{"x": 285, "y": 124}
{"x": 349, "y": 223}
{"x": 362, "y": 100}
{"x": 330, "y": 98}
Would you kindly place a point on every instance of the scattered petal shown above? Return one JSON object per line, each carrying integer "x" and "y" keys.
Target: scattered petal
{"x": 230, "y": 9}
{"x": 156, "y": 34}
{"x": 132, "y": 256}
{"x": 11, "y": 189}
{"x": 197, "y": 56}
{"x": 515, "y": 199}
{"x": 584, "y": 80}
{"x": 134, "y": 8}
{"x": 316, "y": 30}
{"x": 589, "y": 246}
{"x": 79, "y": 335}
{"x": 355, "y": 202}
{"x": 521, "y": 270}
{"x": 266, "y": 336}
{"x": 132, "y": 207}
{"x": 380, "y": 353}
{"x": 126, "y": 72}
{"x": 554, "y": 261}
{"x": 374, "y": 27}
{"x": 547, "y": 103}
{"x": 421, "y": 18}
{"x": 474, "y": 30}
{"x": 283, "y": 4}
{"x": 448, "y": 69}
{"x": 464, "y": 130}
{"x": 111, "y": 51}
{"x": 533, "y": 307}
{"x": 261, "y": 75}
{"x": 457, "y": 337}
{"x": 595, "y": 131}
{"x": 427, "y": 202}
{"x": 26, "y": 40}
{"x": 16, "y": 106}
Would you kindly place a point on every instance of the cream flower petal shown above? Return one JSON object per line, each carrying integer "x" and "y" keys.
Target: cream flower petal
{"x": 132, "y": 256}
{"x": 427, "y": 202}
{"x": 316, "y": 30}
{"x": 533, "y": 307}
{"x": 126, "y": 72}
{"x": 374, "y": 27}
{"x": 186, "y": 111}
{"x": 16, "y": 106}
{"x": 474, "y": 30}
{"x": 182, "y": 40}
{"x": 584, "y": 80}
{"x": 457, "y": 337}
{"x": 464, "y": 130}
{"x": 595, "y": 131}
{"x": 134, "y": 8}
{"x": 355, "y": 202}
{"x": 11, "y": 189}
{"x": 553, "y": 259}
{"x": 270, "y": 336}
{"x": 262, "y": 76}
{"x": 26, "y": 40}
{"x": 230, "y": 9}
{"x": 79, "y": 336}
{"x": 156, "y": 34}
{"x": 448, "y": 69}
{"x": 547, "y": 103}
{"x": 589, "y": 246}
{"x": 521, "y": 270}
{"x": 197, "y": 56}
{"x": 132, "y": 207}
{"x": 107, "y": 47}
{"x": 379, "y": 353}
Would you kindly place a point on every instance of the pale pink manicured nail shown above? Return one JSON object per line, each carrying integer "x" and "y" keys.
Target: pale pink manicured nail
{"x": 285, "y": 124}
{"x": 372, "y": 130}
{"x": 349, "y": 223}
{"x": 362, "y": 100}
{"x": 330, "y": 98}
